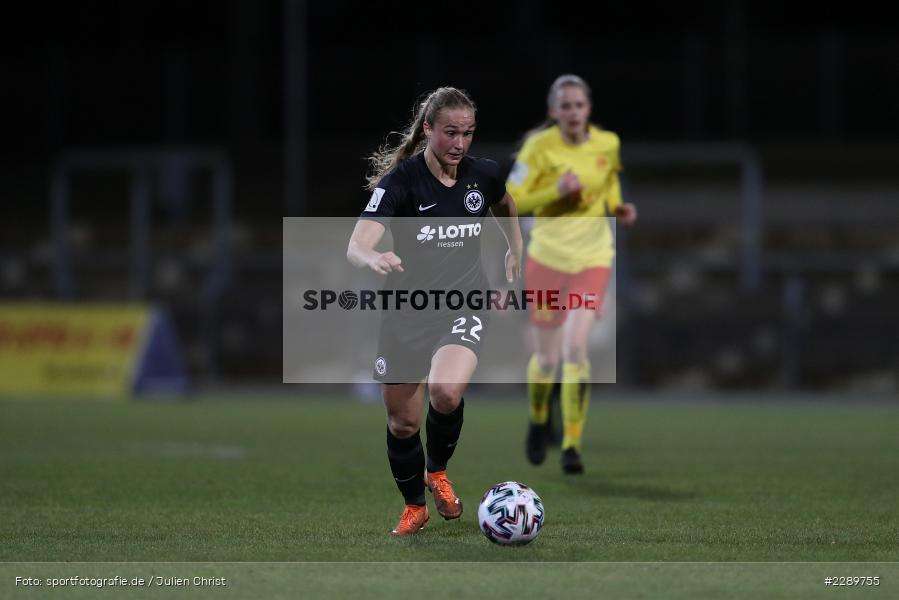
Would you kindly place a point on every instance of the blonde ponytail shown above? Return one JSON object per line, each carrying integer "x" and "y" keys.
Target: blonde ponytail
{"x": 413, "y": 139}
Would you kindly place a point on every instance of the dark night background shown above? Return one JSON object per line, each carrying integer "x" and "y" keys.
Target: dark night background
{"x": 811, "y": 89}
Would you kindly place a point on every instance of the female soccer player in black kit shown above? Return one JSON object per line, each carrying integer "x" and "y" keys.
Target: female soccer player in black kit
{"x": 426, "y": 179}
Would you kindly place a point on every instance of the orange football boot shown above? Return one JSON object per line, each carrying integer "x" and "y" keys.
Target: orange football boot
{"x": 448, "y": 504}
{"x": 412, "y": 520}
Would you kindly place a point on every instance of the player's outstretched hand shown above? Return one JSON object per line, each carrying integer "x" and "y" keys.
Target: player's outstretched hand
{"x": 513, "y": 265}
{"x": 386, "y": 262}
{"x": 626, "y": 213}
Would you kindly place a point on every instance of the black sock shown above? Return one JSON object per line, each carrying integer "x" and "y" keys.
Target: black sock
{"x": 443, "y": 433}
{"x": 407, "y": 463}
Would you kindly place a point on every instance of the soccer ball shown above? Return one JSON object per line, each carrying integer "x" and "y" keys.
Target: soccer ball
{"x": 510, "y": 513}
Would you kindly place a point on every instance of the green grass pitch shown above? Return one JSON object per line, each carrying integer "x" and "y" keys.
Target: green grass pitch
{"x": 216, "y": 480}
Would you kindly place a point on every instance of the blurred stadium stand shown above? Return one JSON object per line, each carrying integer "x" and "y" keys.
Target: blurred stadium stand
{"x": 821, "y": 312}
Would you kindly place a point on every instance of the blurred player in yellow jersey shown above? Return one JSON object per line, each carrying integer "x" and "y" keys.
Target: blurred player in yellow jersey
{"x": 566, "y": 168}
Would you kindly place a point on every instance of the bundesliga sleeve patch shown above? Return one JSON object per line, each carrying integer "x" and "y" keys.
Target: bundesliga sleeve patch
{"x": 375, "y": 200}
{"x": 518, "y": 173}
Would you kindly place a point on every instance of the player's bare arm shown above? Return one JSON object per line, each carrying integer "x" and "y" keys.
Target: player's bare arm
{"x": 361, "y": 249}
{"x": 506, "y": 215}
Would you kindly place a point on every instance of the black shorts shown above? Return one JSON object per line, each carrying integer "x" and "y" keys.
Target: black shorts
{"x": 406, "y": 345}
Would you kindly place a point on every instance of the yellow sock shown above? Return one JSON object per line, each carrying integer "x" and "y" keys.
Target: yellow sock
{"x": 575, "y": 398}
{"x": 540, "y": 387}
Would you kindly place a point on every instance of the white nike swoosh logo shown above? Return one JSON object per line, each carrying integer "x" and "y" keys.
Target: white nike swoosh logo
{"x": 405, "y": 480}
{"x": 423, "y": 208}
{"x": 467, "y": 340}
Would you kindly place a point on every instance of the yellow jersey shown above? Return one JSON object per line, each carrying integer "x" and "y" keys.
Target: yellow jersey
{"x": 559, "y": 240}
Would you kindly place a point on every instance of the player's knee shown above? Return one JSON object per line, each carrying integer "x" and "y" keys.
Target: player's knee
{"x": 575, "y": 352}
{"x": 445, "y": 397}
{"x": 403, "y": 426}
{"x": 548, "y": 360}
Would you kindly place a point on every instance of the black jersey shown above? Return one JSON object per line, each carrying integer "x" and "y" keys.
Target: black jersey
{"x": 436, "y": 229}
